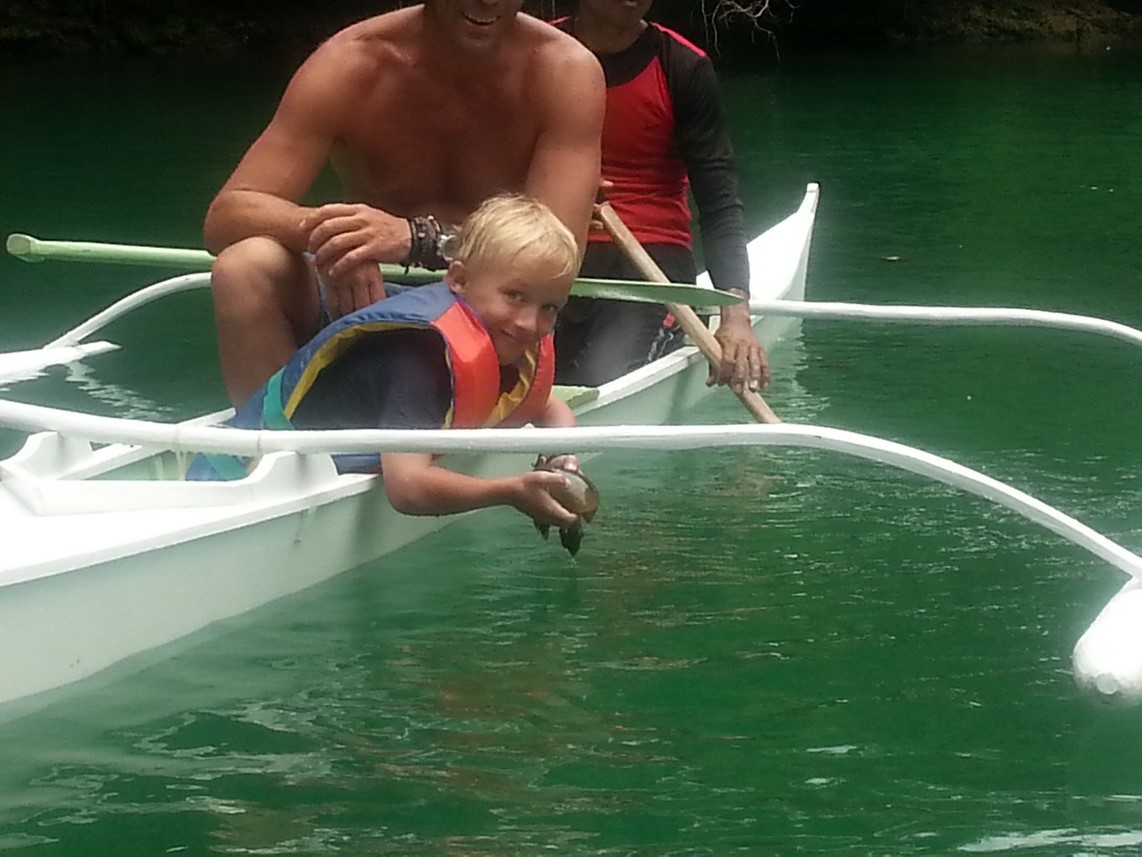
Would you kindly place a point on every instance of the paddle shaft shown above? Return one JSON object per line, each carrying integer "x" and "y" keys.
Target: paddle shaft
{"x": 37, "y": 250}
{"x": 691, "y": 324}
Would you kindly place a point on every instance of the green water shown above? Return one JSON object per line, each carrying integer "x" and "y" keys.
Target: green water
{"x": 770, "y": 652}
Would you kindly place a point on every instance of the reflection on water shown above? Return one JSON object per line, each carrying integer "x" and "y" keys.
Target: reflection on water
{"x": 1041, "y": 838}
{"x": 120, "y": 401}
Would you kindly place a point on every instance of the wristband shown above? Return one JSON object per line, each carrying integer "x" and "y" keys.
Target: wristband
{"x": 428, "y": 243}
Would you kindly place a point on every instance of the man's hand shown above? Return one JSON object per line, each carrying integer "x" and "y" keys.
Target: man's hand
{"x": 597, "y": 224}
{"x": 744, "y": 364}
{"x": 347, "y": 242}
{"x": 344, "y": 236}
{"x": 360, "y": 287}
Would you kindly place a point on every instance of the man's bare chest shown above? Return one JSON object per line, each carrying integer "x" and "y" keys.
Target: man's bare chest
{"x": 412, "y": 155}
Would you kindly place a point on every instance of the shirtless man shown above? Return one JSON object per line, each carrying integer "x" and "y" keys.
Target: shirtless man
{"x": 423, "y": 113}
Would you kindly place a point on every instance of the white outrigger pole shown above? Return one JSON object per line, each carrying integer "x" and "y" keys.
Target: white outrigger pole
{"x": 945, "y": 315}
{"x": 257, "y": 443}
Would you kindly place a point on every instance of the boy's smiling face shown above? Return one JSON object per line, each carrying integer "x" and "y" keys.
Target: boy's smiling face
{"x": 517, "y": 299}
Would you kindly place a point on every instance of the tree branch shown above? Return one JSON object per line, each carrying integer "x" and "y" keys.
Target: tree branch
{"x": 759, "y": 14}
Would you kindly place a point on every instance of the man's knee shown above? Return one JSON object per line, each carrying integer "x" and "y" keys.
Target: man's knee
{"x": 253, "y": 270}
{"x": 258, "y": 277}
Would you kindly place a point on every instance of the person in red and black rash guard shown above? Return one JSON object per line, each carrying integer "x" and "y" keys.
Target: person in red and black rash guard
{"x": 664, "y": 133}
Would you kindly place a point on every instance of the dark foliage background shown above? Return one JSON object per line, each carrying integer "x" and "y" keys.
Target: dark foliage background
{"x": 295, "y": 26}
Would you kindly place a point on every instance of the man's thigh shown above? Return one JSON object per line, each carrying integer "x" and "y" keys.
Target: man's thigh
{"x": 598, "y": 340}
{"x": 613, "y": 338}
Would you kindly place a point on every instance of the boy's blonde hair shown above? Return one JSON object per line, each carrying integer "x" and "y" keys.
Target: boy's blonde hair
{"x": 508, "y": 227}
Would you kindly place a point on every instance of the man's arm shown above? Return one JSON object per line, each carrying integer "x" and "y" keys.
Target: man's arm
{"x": 565, "y": 165}
{"x": 262, "y": 194}
{"x": 557, "y": 414}
{"x": 705, "y": 148}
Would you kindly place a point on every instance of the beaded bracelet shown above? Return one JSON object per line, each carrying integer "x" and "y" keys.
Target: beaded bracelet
{"x": 428, "y": 243}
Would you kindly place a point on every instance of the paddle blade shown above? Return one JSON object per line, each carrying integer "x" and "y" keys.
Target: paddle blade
{"x": 653, "y": 293}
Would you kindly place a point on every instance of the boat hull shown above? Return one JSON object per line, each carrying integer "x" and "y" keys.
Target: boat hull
{"x": 96, "y": 572}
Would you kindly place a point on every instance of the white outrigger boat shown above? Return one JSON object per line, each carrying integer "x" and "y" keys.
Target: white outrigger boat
{"x": 99, "y": 538}
{"x": 100, "y": 534}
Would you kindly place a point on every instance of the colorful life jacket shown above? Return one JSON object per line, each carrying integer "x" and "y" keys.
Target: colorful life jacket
{"x": 477, "y": 401}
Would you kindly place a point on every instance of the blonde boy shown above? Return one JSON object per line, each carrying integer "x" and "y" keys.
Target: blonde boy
{"x": 475, "y": 350}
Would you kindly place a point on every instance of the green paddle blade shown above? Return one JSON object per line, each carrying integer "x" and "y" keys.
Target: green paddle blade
{"x": 638, "y": 291}
{"x": 652, "y": 293}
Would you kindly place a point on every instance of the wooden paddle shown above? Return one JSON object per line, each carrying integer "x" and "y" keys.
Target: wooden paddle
{"x": 691, "y": 324}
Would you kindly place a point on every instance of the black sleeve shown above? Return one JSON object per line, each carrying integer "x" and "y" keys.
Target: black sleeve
{"x": 397, "y": 379}
{"x": 704, "y": 146}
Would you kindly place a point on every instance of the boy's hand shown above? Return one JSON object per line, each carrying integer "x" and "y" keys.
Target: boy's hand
{"x": 533, "y": 498}
{"x": 576, "y": 493}
{"x": 563, "y": 461}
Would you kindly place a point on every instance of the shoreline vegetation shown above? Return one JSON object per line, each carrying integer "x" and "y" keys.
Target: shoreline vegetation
{"x": 228, "y": 27}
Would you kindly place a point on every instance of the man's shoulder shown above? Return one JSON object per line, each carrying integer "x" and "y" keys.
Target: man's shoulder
{"x": 682, "y": 59}
{"x": 557, "y": 67}
{"x": 381, "y": 38}
{"x": 675, "y": 41}
{"x": 392, "y": 24}
{"x": 551, "y": 46}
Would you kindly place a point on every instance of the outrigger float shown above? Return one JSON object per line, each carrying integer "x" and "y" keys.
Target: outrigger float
{"x": 100, "y": 531}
